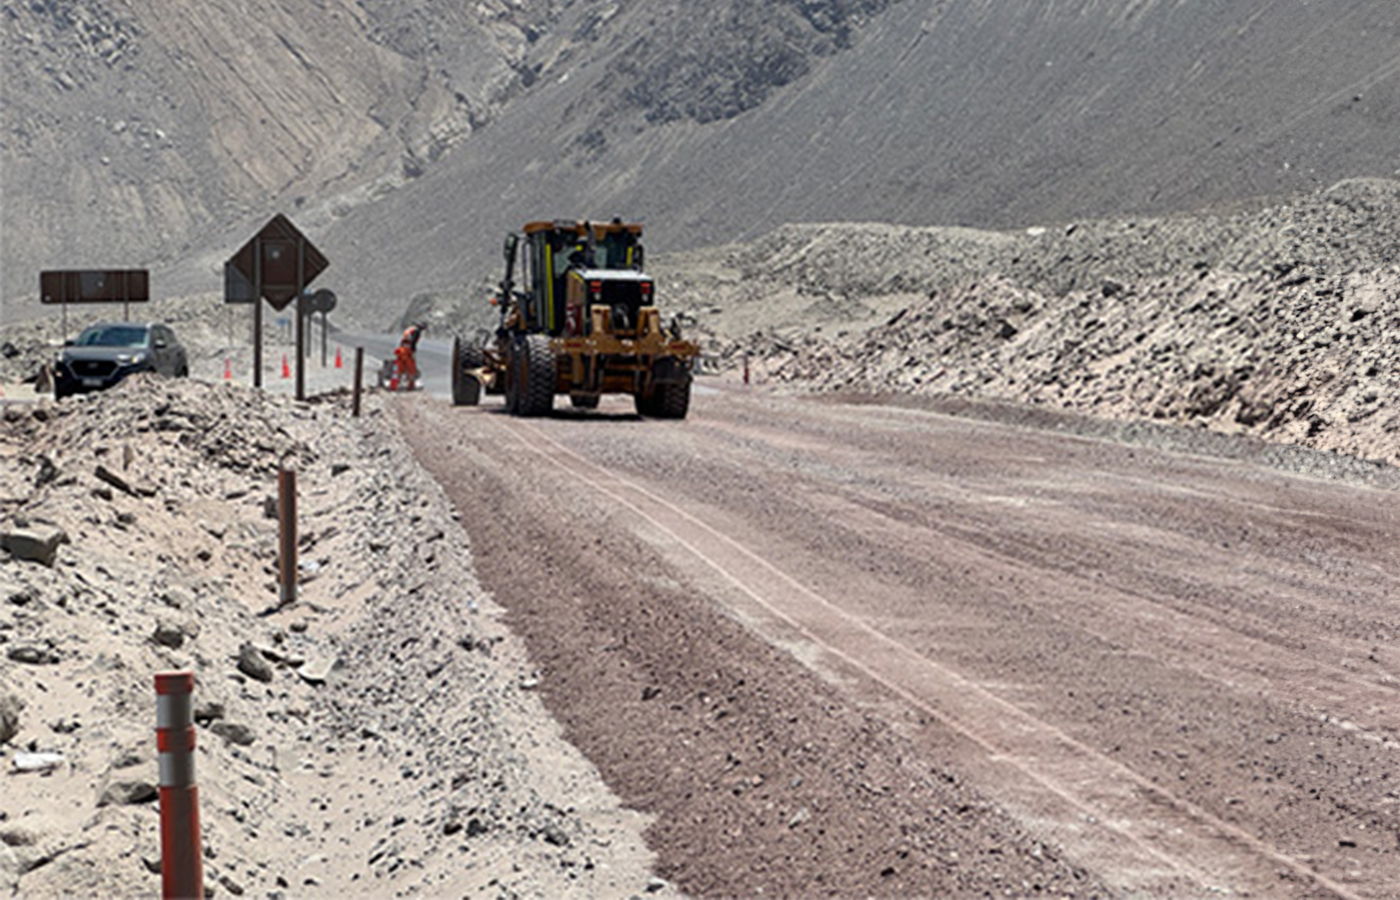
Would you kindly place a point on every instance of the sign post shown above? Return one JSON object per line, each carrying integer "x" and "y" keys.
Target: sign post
{"x": 278, "y": 262}
{"x": 323, "y": 301}
{"x": 238, "y": 288}
{"x": 301, "y": 321}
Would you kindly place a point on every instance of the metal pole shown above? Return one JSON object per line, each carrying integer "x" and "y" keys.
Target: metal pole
{"x": 325, "y": 327}
{"x": 301, "y": 320}
{"x": 257, "y": 311}
{"x": 359, "y": 372}
{"x": 181, "y": 858}
{"x": 287, "y": 536}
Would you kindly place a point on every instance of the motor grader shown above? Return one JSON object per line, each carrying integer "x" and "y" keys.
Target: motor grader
{"x": 585, "y": 324}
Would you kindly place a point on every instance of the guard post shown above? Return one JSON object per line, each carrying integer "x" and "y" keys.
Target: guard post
{"x": 287, "y": 536}
{"x": 359, "y": 376}
{"x": 181, "y": 856}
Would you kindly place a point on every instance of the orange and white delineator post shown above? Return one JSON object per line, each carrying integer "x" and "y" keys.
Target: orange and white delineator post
{"x": 181, "y": 856}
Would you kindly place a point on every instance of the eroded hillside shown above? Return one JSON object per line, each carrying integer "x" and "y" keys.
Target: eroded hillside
{"x": 138, "y": 132}
{"x": 1282, "y": 323}
{"x": 405, "y": 138}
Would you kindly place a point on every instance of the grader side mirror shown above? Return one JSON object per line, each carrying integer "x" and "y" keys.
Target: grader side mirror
{"x": 511, "y": 240}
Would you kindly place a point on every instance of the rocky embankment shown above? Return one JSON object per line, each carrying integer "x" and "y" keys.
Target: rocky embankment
{"x": 377, "y": 737}
{"x": 1281, "y": 323}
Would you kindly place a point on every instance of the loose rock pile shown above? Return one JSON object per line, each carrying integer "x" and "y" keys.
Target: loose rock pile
{"x": 376, "y": 737}
{"x": 1282, "y": 323}
{"x": 1235, "y": 353}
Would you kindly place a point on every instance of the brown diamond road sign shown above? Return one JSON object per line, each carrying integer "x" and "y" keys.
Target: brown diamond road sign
{"x": 280, "y": 260}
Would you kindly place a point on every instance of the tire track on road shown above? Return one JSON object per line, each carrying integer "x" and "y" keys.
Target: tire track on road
{"x": 1143, "y": 835}
{"x": 1146, "y": 620}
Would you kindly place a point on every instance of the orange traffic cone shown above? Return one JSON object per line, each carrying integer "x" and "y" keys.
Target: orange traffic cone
{"x": 337, "y": 358}
{"x": 228, "y": 369}
{"x": 286, "y": 369}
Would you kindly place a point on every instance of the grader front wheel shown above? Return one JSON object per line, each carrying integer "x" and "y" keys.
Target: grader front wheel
{"x": 466, "y": 364}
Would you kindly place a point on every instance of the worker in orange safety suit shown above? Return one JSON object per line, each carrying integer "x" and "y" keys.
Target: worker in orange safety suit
{"x": 405, "y": 356}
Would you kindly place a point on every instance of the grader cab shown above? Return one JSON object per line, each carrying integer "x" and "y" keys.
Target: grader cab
{"x": 584, "y": 324}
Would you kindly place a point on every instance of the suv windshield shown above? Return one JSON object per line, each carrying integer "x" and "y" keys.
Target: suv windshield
{"x": 113, "y": 336}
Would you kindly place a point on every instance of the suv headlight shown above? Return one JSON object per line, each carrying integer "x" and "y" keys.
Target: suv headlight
{"x": 131, "y": 359}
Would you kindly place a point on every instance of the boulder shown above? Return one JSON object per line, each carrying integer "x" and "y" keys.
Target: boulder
{"x": 128, "y": 793}
{"x": 208, "y": 711}
{"x": 34, "y": 543}
{"x": 252, "y": 663}
{"x": 168, "y": 634}
{"x": 234, "y": 733}
{"x": 134, "y": 489}
{"x": 32, "y": 654}
{"x": 317, "y": 669}
{"x": 15, "y": 861}
{"x": 10, "y": 708}
{"x": 37, "y": 760}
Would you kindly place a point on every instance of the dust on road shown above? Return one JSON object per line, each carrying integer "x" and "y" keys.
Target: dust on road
{"x": 868, "y": 650}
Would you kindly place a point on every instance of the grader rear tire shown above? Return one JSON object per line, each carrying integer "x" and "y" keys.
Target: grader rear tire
{"x": 535, "y": 390}
{"x": 668, "y": 400}
{"x": 674, "y": 399}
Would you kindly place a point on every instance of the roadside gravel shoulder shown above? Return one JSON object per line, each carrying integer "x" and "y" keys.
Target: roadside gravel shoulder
{"x": 379, "y": 736}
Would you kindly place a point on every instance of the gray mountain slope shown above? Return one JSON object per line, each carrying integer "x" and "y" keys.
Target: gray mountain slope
{"x": 714, "y": 120}
{"x": 999, "y": 114}
{"x": 986, "y": 114}
{"x": 140, "y": 132}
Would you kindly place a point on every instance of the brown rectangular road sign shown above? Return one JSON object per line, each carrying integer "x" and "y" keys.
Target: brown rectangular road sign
{"x": 280, "y": 261}
{"x": 95, "y": 286}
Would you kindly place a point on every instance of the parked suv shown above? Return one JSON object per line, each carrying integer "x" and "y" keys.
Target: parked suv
{"x": 104, "y": 354}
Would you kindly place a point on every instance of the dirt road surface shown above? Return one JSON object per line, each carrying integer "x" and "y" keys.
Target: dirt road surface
{"x": 858, "y": 650}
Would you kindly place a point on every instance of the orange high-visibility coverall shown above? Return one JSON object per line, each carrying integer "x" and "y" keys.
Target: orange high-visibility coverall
{"x": 406, "y": 364}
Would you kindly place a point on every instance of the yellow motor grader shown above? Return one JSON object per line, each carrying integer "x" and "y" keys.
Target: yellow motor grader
{"x": 585, "y": 324}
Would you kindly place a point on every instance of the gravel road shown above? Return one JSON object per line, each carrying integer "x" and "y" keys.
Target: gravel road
{"x": 858, "y": 649}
